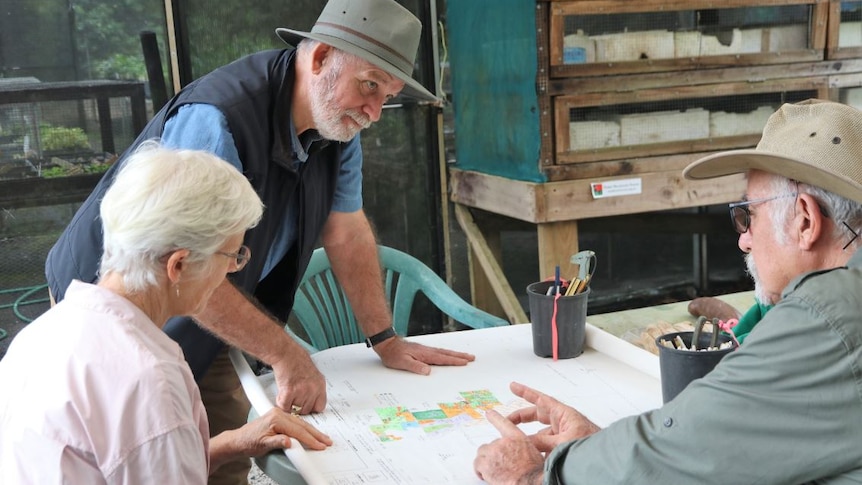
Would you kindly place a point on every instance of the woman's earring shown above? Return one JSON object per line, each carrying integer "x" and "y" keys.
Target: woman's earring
{"x": 177, "y": 288}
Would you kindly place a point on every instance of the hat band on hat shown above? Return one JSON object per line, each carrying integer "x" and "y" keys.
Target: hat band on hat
{"x": 370, "y": 40}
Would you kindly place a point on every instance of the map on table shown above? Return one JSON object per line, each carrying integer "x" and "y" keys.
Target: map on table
{"x": 395, "y": 427}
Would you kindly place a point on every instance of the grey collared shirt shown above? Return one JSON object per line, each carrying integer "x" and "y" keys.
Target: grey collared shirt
{"x": 785, "y": 408}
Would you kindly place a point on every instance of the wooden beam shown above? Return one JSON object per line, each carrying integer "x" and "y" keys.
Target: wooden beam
{"x": 491, "y": 266}
{"x": 444, "y": 199}
{"x": 38, "y": 191}
{"x": 636, "y": 82}
{"x": 481, "y": 289}
{"x": 172, "y": 45}
{"x": 572, "y": 199}
{"x": 500, "y": 195}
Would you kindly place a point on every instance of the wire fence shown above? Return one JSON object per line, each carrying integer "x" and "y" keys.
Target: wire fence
{"x": 26, "y": 236}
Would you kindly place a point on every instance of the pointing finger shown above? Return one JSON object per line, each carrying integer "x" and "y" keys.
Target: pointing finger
{"x": 503, "y": 425}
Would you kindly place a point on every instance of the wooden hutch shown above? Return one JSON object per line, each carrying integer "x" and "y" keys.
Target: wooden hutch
{"x": 579, "y": 109}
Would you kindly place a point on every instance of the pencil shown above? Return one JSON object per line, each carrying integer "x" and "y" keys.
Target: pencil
{"x": 573, "y": 287}
{"x": 583, "y": 284}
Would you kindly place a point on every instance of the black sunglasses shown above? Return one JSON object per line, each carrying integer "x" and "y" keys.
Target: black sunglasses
{"x": 740, "y": 214}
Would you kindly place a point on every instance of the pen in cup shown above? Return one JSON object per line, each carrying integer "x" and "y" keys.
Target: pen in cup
{"x": 557, "y": 280}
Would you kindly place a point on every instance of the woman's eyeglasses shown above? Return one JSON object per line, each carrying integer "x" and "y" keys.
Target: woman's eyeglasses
{"x": 240, "y": 258}
{"x": 740, "y": 214}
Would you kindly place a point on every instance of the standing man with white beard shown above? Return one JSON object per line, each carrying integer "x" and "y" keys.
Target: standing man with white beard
{"x": 289, "y": 120}
{"x": 785, "y": 407}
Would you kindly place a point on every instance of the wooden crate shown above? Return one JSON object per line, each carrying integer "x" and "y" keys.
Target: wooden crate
{"x": 844, "y": 35}
{"x": 601, "y": 37}
{"x": 594, "y": 127}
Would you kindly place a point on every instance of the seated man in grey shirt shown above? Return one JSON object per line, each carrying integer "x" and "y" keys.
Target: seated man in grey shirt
{"x": 786, "y": 407}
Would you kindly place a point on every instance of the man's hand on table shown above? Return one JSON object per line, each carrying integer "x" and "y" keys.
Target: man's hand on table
{"x": 301, "y": 387}
{"x": 397, "y": 353}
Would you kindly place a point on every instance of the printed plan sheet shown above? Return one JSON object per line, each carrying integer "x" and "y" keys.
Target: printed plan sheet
{"x": 393, "y": 427}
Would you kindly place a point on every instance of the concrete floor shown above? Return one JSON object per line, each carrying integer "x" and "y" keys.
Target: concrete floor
{"x": 256, "y": 477}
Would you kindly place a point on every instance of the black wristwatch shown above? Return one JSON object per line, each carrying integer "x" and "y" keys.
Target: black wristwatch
{"x": 380, "y": 337}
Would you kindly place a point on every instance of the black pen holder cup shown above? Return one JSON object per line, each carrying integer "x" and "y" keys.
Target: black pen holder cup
{"x": 679, "y": 367}
{"x": 571, "y": 321}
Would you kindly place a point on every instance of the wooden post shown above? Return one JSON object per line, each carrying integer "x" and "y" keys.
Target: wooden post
{"x": 558, "y": 241}
{"x": 172, "y": 45}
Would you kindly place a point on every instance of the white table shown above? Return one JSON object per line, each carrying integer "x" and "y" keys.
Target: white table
{"x": 429, "y": 442}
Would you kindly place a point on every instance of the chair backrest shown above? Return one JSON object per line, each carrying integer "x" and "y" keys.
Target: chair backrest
{"x": 321, "y": 306}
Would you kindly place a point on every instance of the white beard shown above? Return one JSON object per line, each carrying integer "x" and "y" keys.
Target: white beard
{"x": 328, "y": 116}
{"x": 759, "y": 293}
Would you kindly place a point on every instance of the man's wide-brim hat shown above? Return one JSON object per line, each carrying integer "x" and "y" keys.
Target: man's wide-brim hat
{"x": 380, "y": 31}
{"x": 815, "y": 142}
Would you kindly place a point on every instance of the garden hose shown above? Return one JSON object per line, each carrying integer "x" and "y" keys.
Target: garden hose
{"x": 26, "y": 292}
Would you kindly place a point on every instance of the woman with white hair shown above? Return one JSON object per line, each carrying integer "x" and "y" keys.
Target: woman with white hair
{"x": 93, "y": 390}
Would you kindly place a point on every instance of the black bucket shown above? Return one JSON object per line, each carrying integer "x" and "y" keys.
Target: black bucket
{"x": 571, "y": 321}
{"x": 681, "y": 366}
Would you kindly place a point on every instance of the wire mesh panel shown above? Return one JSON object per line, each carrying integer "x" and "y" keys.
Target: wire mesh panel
{"x": 72, "y": 96}
{"x": 851, "y": 96}
{"x": 850, "y": 28}
{"x": 845, "y": 30}
{"x": 26, "y": 236}
{"x": 62, "y": 138}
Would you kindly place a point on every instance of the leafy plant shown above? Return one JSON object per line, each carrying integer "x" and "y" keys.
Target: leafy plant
{"x": 55, "y": 172}
{"x": 97, "y": 167}
{"x": 61, "y": 138}
{"x": 121, "y": 66}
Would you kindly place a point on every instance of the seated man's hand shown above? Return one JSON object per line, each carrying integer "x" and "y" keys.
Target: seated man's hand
{"x": 511, "y": 459}
{"x": 711, "y": 307}
{"x": 565, "y": 423}
{"x": 397, "y": 353}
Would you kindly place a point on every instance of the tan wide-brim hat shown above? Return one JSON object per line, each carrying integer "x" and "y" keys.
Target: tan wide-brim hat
{"x": 380, "y": 31}
{"x": 815, "y": 142}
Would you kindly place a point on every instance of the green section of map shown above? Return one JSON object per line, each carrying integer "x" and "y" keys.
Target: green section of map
{"x": 429, "y": 415}
{"x": 396, "y": 422}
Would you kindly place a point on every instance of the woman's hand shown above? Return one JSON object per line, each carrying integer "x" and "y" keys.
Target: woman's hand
{"x": 271, "y": 431}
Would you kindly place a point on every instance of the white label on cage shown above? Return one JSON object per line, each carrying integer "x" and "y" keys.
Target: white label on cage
{"x": 615, "y": 188}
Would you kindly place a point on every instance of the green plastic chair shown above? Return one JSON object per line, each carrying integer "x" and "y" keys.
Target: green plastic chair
{"x": 321, "y": 306}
